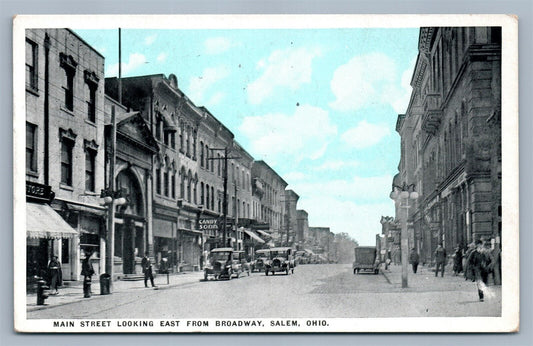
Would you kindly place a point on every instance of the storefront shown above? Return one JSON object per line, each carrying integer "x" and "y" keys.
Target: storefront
{"x": 47, "y": 234}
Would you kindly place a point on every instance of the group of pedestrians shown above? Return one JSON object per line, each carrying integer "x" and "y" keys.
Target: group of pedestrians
{"x": 478, "y": 263}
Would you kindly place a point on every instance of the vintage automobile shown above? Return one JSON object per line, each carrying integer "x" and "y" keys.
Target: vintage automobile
{"x": 221, "y": 263}
{"x": 366, "y": 259}
{"x": 281, "y": 260}
{"x": 261, "y": 258}
{"x": 240, "y": 264}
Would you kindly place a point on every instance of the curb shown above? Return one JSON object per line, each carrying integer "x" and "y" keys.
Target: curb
{"x": 100, "y": 296}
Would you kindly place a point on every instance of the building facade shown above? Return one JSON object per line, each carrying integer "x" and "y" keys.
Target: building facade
{"x": 451, "y": 137}
{"x": 269, "y": 200}
{"x": 64, "y": 149}
{"x": 302, "y": 228}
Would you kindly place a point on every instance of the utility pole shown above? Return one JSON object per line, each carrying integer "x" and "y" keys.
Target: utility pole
{"x": 110, "y": 246}
{"x": 225, "y": 177}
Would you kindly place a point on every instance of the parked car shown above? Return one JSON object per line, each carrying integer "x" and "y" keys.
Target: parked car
{"x": 240, "y": 264}
{"x": 261, "y": 258}
{"x": 281, "y": 260}
{"x": 220, "y": 264}
{"x": 366, "y": 258}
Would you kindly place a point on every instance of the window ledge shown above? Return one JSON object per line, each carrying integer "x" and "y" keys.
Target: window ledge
{"x": 32, "y": 173}
{"x": 64, "y": 186}
{"x": 91, "y": 193}
{"x": 87, "y": 121}
{"x": 68, "y": 111}
{"x": 33, "y": 91}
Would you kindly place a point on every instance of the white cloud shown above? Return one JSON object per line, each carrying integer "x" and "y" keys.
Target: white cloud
{"x": 198, "y": 86}
{"x": 217, "y": 45}
{"x": 369, "y": 79}
{"x": 135, "y": 60}
{"x": 294, "y": 176}
{"x": 162, "y": 57}
{"x": 365, "y": 135}
{"x": 279, "y": 137}
{"x": 215, "y": 99}
{"x": 364, "y": 189}
{"x": 148, "y": 40}
{"x": 289, "y": 68}
{"x": 333, "y": 165}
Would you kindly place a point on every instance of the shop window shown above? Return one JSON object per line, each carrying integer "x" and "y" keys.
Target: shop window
{"x": 31, "y": 65}
{"x": 31, "y": 147}
{"x": 65, "y": 251}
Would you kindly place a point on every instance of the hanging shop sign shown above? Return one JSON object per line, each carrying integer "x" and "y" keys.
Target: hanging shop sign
{"x": 40, "y": 192}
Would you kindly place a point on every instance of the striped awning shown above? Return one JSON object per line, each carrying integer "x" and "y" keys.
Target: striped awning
{"x": 254, "y": 236}
{"x": 44, "y": 222}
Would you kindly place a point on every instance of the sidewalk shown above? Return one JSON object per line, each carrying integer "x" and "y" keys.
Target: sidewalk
{"x": 72, "y": 291}
{"x": 426, "y": 281}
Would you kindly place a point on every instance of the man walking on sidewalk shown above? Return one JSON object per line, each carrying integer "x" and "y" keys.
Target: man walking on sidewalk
{"x": 147, "y": 270}
{"x": 481, "y": 263}
{"x": 414, "y": 258}
{"x": 440, "y": 259}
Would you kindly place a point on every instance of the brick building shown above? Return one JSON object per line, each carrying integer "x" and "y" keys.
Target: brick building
{"x": 64, "y": 150}
{"x": 451, "y": 137}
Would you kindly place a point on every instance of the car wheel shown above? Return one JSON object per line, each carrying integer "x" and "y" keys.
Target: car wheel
{"x": 286, "y": 271}
{"x": 205, "y": 276}
{"x": 292, "y": 271}
{"x": 354, "y": 271}
{"x": 230, "y": 273}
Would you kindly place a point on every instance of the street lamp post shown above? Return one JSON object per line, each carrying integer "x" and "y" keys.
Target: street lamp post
{"x": 401, "y": 195}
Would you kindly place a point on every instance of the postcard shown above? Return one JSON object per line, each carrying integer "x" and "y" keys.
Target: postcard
{"x": 266, "y": 173}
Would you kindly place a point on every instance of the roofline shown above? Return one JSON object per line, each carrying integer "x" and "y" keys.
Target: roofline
{"x": 82, "y": 40}
{"x": 273, "y": 171}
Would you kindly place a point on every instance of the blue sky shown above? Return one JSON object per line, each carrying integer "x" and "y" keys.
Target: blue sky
{"x": 318, "y": 105}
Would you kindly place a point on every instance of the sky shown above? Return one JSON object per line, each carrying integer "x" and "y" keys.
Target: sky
{"x": 318, "y": 105}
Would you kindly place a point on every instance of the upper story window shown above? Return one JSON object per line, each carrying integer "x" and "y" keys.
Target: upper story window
{"x": 31, "y": 65}
{"x": 201, "y": 154}
{"x": 158, "y": 127}
{"x": 92, "y": 82}
{"x": 194, "y": 145}
{"x": 69, "y": 65}
{"x": 67, "y": 138}
{"x": 158, "y": 181}
{"x": 91, "y": 148}
{"x": 31, "y": 147}
{"x": 182, "y": 131}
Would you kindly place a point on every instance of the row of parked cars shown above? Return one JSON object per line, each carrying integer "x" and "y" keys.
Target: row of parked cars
{"x": 228, "y": 263}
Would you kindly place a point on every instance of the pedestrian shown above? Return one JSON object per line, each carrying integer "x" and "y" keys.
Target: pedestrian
{"x": 147, "y": 270}
{"x": 468, "y": 270}
{"x": 457, "y": 261}
{"x": 480, "y": 260}
{"x": 55, "y": 274}
{"x": 413, "y": 259}
{"x": 87, "y": 271}
{"x": 440, "y": 259}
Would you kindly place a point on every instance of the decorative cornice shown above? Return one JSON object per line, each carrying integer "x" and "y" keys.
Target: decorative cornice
{"x": 67, "y": 61}
{"x": 67, "y": 134}
{"x": 90, "y": 145}
{"x": 90, "y": 77}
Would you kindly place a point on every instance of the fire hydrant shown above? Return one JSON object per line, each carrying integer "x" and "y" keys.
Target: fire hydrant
{"x": 42, "y": 292}
{"x": 87, "y": 287}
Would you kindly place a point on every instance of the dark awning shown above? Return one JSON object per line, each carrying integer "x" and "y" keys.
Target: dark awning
{"x": 254, "y": 236}
{"x": 44, "y": 222}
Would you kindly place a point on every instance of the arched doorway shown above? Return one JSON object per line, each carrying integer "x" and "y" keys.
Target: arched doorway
{"x": 130, "y": 239}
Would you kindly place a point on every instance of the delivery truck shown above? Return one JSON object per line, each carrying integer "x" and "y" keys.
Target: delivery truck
{"x": 366, "y": 258}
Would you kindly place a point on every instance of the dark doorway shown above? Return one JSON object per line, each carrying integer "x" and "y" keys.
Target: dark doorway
{"x": 128, "y": 246}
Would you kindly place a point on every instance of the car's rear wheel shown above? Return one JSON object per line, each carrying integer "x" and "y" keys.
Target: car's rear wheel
{"x": 354, "y": 271}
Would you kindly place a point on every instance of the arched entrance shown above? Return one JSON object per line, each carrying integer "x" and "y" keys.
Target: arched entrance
{"x": 130, "y": 237}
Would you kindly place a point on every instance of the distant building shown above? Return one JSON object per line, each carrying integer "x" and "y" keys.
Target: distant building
{"x": 291, "y": 216}
{"x": 302, "y": 227}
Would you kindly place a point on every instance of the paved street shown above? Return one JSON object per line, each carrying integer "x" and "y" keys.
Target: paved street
{"x": 325, "y": 290}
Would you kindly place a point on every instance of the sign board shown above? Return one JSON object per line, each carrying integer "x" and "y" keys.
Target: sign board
{"x": 208, "y": 224}
{"x": 39, "y": 192}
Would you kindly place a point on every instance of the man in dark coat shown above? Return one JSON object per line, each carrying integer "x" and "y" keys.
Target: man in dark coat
{"x": 413, "y": 259}
{"x": 87, "y": 271}
{"x": 54, "y": 270}
{"x": 480, "y": 260}
{"x": 457, "y": 261}
{"x": 440, "y": 259}
{"x": 147, "y": 270}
